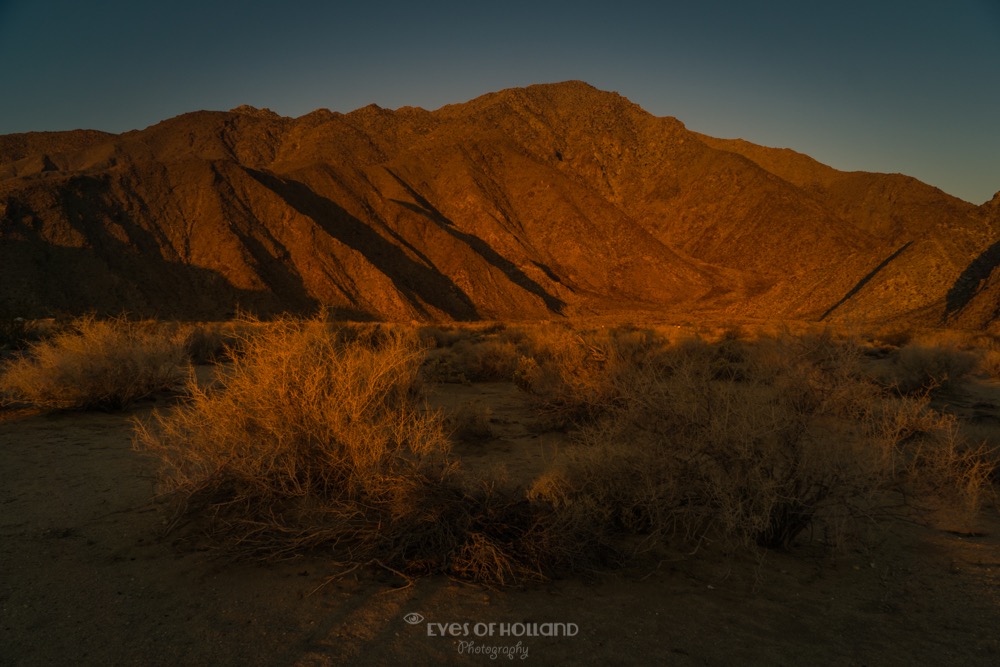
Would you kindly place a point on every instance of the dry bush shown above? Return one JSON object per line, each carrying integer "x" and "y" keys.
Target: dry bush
{"x": 893, "y": 336}
{"x": 318, "y": 439}
{"x": 930, "y": 456}
{"x": 299, "y": 412}
{"x": 365, "y": 333}
{"x": 440, "y": 366}
{"x": 989, "y": 355}
{"x": 18, "y": 333}
{"x": 485, "y": 353}
{"x": 488, "y": 360}
{"x": 472, "y": 422}
{"x": 102, "y": 364}
{"x": 509, "y": 540}
{"x": 919, "y": 368}
{"x": 752, "y": 444}
{"x": 211, "y": 342}
{"x": 443, "y": 336}
{"x": 580, "y": 376}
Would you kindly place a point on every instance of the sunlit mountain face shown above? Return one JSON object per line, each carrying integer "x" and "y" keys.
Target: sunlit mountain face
{"x": 540, "y": 202}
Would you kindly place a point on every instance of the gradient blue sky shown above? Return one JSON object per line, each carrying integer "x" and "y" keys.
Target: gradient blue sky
{"x": 909, "y": 86}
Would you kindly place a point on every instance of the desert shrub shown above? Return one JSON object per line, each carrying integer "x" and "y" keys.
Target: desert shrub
{"x": 440, "y": 366}
{"x": 486, "y": 360}
{"x": 317, "y": 440}
{"x": 375, "y": 335}
{"x": 297, "y": 409}
{"x": 918, "y": 368}
{"x": 472, "y": 422}
{"x": 316, "y": 437}
{"x": 989, "y": 356}
{"x": 893, "y": 336}
{"x": 577, "y": 377}
{"x": 443, "y": 336}
{"x": 18, "y": 333}
{"x": 468, "y": 360}
{"x": 928, "y": 456}
{"x": 209, "y": 343}
{"x": 756, "y": 457}
{"x": 103, "y": 364}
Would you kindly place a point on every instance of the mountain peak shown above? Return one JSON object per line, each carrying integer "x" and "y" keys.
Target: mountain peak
{"x": 247, "y": 110}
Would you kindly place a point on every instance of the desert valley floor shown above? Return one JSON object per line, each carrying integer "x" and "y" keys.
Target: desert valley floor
{"x": 89, "y": 577}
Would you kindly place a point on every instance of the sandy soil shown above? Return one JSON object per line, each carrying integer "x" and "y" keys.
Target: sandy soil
{"x": 87, "y": 578}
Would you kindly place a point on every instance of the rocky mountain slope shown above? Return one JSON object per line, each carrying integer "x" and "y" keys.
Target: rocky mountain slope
{"x": 552, "y": 200}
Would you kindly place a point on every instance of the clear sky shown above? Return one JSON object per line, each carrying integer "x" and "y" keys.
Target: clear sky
{"x": 909, "y": 86}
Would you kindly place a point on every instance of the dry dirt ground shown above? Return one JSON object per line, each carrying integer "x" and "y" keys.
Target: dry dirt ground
{"x": 86, "y": 577}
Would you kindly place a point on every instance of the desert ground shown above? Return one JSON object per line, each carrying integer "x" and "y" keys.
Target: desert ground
{"x": 90, "y": 575}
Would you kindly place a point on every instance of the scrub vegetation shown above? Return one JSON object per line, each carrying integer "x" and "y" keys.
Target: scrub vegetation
{"x": 95, "y": 364}
{"x": 318, "y": 436}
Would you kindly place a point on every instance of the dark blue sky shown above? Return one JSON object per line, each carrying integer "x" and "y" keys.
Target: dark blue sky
{"x": 909, "y": 86}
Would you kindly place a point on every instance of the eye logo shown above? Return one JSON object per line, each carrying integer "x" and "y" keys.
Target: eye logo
{"x": 413, "y": 618}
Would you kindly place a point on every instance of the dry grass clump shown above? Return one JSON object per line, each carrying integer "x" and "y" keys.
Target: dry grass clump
{"x": 444, "y": 336}
{"x": 488, "y": 360}
{"x": 751, "y": 444}
{"x": 472, "y": 422}
{"x": 318, "y": 439}
{"x": 581, "y": 376}
{"x": 95, "y": 364}
{"x": 892, "y": 336}
{"x": 471, "y": 354}
{"x": 508, "y": 540}
{"x": 919, "y": 368}
{"x": 989, "y": 357}
{"x": 213, "y": 342}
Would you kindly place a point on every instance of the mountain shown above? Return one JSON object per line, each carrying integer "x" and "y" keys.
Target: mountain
{"x": 546, "y": 201}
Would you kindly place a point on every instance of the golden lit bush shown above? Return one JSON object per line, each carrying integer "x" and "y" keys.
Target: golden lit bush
{"x": 298, "y": 411}
{"x": 467, "y": 361}
{"x": 580, "y": 376}
{"x": 102, "y": 364}
{"x": 316, "y": 439}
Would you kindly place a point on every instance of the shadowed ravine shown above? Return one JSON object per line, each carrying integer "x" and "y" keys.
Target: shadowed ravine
{"x": 423, "y": 207}
{"x": 415, "y": 280}
{"x": 864, "y": 281}
{"x": 967, "y": 285}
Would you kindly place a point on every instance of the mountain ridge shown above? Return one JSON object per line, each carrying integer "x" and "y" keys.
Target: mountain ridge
{"x": 546, "y": 201}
